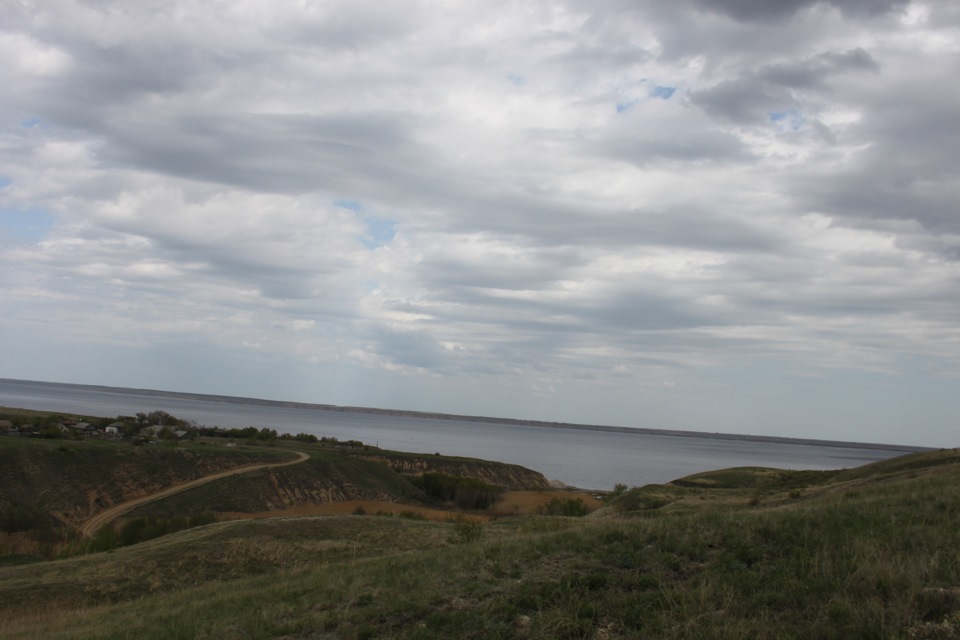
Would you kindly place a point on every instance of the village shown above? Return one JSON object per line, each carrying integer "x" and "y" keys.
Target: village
{"x": 135, "y": 431}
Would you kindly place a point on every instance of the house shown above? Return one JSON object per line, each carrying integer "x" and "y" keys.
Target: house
{"x": 115, "y": 430}
{"x": 85, "y": 428}
{"x": 153, "y": 431}
{"x": 6, "y": 425}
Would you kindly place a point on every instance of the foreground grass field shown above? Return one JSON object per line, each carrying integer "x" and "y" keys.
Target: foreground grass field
{"x": 752, "y": 553}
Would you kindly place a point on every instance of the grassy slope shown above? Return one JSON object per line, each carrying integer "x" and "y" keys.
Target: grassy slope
{"x": 866, "y": 553}
{"x": 327, "y": 476}
{"x": 58, "y": 483}
{"x": 57, "y": 474}
{"x": 49, "y": 487}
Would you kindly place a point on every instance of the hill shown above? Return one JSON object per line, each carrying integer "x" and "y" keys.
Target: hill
{"x": 54, "y": 490}
{"x": 48, "y": 488}
{"x": 865, "y": 553}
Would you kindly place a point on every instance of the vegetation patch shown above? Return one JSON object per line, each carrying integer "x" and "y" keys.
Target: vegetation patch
{"x": 571, "y": 507}
{"x": 465, "y": 493}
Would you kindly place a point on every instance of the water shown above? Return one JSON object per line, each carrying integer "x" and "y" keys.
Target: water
{"x": 578, "y": 457}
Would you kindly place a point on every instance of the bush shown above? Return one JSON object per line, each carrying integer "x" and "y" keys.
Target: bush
{"x": 466, "y": 493}
{"x": 640, "y": 500}
{"x": 573, "y": 507}
{"x": 465, "y": 531}
{"x": 16, "y": 517}
{"x": 143, "y": 529}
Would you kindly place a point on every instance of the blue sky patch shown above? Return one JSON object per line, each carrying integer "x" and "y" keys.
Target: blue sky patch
{"x": 30, "y": 123}
{"x": 4, "y": 182}
{"x": 789, "y": 119}
{"x": 379, "y": 232}
{"x": 664, "y": 93}
{"x": 352, "y": 205}
{"x": 29, "y": 226}
{"x": 516, "y": 79}
{"x": 623, "y": 106}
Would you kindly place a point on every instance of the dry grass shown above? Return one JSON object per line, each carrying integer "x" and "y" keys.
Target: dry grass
{"x": 521, "y": 503}
{"x": 351, "y": 507}
{"x": 514, "y": 503}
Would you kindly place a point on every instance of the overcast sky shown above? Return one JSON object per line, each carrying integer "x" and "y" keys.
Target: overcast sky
{"x": 715, "y": 215}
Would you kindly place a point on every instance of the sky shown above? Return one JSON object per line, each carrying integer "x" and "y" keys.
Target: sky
{"x": 711, "y": 215}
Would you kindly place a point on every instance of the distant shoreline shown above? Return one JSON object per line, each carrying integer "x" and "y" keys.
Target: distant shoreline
{"x": 428, "y": 415}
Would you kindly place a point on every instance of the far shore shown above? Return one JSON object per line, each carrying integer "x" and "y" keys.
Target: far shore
{"x": 425, "y": 415}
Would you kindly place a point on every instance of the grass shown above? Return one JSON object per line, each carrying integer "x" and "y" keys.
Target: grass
{"x": 327, "y": 476}
{"x": 871, "y": 553}
{"x": 49, "y": 487}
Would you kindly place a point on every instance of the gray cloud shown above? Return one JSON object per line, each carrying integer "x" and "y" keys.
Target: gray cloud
{"x": 906, "y": 167}
{"x": 781, "y": 86}
{"x": 654, "y": 148}
{"x": 519, "y": 202}
{"x": 812, "y": 73}
{"x": 284, "y": 153}
{"x": 759, "y": 11}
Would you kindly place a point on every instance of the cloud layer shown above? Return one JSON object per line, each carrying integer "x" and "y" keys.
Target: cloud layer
{"x": 726, "y": 216}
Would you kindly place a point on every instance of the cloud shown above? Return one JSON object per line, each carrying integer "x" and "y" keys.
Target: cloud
{"x": 759, "y": 11}
{"x": 782, "y": 86}
{"x": 486, "y": 207}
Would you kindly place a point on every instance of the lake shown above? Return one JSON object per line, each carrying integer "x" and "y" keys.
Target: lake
{"x": 579, "y": 457}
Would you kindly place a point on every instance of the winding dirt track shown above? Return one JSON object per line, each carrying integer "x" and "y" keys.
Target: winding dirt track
{"x": 91, "y": 526}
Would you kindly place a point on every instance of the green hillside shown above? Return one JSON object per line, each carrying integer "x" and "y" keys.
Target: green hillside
{"x": 866, "y": 553}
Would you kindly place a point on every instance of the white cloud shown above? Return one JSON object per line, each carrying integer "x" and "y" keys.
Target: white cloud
{"x": 605, "y": 207}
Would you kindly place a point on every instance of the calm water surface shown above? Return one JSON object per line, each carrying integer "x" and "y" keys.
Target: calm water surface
{"x": 578, "y": 457}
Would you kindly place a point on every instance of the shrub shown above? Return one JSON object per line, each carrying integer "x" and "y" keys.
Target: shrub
{"x": 466, "y": 493}
{"x": 618, "y": 489}
{"x": 465, "y": 531}
{"x": 143, "y": 529}
{"x": 574, "y": 507}
{"x": 640, "y": 500}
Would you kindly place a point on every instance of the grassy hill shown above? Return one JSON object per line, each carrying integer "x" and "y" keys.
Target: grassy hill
{"x": 865, "y": 553}
{"x": 50, "y": 487}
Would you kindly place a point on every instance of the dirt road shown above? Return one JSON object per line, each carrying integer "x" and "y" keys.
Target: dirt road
{"x": 91, "y": 526}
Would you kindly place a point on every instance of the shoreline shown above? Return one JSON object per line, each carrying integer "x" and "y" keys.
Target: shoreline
{"x": 427, "y": 415}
